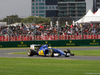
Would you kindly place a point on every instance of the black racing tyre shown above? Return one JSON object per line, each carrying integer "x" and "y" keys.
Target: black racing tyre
{"x": 67, "y": 55}
{"x": 50, "y": 53}
{"x": 30, "y": 52}
{"x": 67, "y": 51}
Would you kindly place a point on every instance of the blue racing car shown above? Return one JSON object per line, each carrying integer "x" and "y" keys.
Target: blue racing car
{"x": 46, "y": 50}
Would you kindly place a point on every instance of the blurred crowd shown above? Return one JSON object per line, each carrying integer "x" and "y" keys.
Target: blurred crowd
{"x": 43, "y": 30}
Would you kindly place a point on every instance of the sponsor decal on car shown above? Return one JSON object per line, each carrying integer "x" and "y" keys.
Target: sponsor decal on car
{"x": 41, "y": 52}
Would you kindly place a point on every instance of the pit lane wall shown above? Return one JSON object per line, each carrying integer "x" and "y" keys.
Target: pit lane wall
{"x": 94, "y": 42}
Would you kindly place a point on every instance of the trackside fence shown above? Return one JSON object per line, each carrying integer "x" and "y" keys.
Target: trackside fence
{"x": 49, "y": 37}
{"x": 84, "y": 42}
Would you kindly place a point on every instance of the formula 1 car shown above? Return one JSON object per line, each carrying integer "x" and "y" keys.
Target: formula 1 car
{"x": 46, "y": 50}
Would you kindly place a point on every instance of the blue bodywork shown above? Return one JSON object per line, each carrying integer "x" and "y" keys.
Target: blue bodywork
{"x": 45, "y": 48}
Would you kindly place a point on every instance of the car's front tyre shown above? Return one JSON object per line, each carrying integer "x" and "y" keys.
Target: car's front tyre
{"x": 50, "y": 53}
{"x": 67, "y": 53}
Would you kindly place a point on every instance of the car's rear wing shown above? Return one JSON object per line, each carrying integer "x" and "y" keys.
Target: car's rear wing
{"x": 34, "y": 46}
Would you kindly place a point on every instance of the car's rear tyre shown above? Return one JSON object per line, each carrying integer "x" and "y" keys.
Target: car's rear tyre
{"x": 30, "y": 52}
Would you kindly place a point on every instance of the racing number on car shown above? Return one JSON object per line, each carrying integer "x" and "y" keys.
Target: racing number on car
{"x": 41, "y": 52}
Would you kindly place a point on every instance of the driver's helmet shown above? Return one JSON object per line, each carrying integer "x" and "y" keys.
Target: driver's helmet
{"x": 49, "y": 47}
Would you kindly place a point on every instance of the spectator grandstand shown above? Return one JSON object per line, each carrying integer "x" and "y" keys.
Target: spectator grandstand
{"x": 26, "y": 32}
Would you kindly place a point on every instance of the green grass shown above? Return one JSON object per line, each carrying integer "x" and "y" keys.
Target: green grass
{"x": 21, "y": 53}
{"x": 76, "y": 52}
{"x": 86, "y": 52}
{"x": 36, "y": 66}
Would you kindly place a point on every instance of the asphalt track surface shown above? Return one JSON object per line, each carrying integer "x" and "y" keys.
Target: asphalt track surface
{"x": 7, "y": 53}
